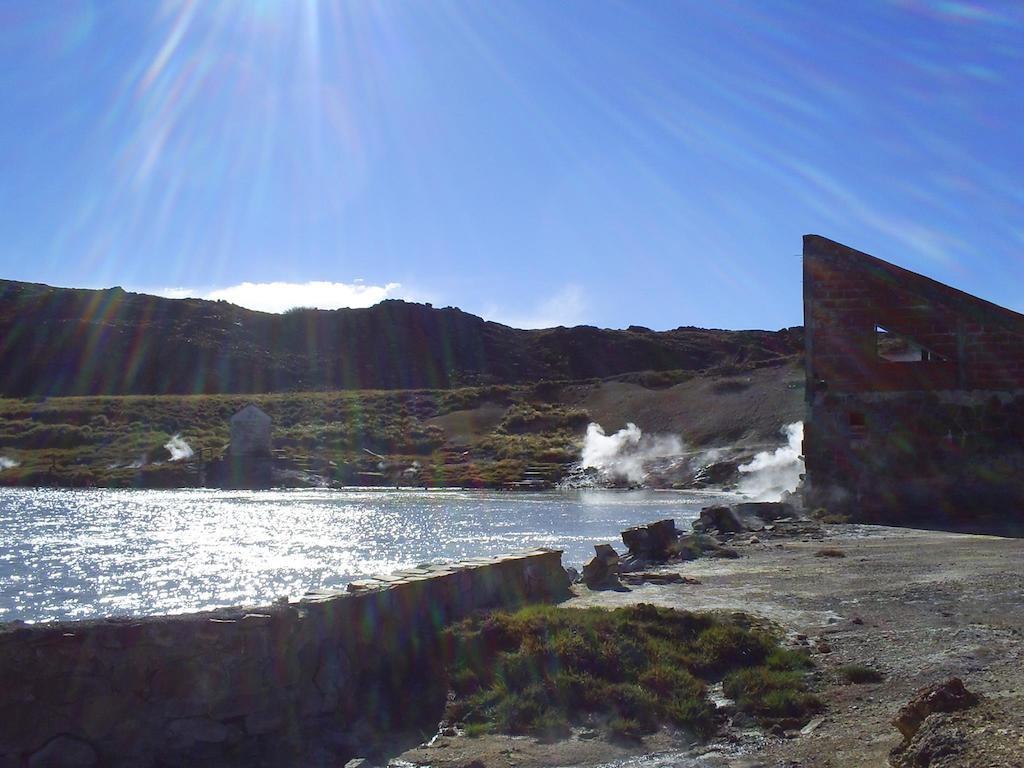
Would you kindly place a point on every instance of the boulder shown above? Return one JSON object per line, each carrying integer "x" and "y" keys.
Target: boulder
{"x": 651, "y": 541}
{"x": 949, "y": 696}
{"x": 939, "y": 741}
{"x": 767, "y": 511}
{"x": 603, "y": 570}
{"x": 606, "y": 553}
{"x": 720, "y": 518}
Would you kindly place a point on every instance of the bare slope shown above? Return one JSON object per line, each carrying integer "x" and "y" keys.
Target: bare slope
{"x": 745, "y": 409}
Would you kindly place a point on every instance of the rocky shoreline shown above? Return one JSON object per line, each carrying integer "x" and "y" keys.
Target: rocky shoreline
{"x": 889, "y": 615}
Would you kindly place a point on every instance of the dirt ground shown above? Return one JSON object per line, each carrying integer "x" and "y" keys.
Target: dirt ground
{"x": 918, "y": 606}
{"x": 745, "y": 410}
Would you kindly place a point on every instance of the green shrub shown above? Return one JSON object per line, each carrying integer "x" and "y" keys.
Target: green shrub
{"x": 770, "y": 694}
{"x": 724, "y": 647}
{"x": 787, "y": 660}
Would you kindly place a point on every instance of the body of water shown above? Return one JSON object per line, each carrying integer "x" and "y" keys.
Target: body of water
{"x": 72, "y": 554}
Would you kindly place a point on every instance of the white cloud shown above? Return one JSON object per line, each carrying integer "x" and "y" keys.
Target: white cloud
{"x": 566, "y": 307}
{"x": 282, "y": 296}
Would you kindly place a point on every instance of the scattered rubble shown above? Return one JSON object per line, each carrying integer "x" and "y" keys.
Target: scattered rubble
{"x": 661, "y": 542}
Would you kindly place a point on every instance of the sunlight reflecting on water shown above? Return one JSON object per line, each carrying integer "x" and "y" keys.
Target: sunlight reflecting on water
{"x": 88, "y": 553}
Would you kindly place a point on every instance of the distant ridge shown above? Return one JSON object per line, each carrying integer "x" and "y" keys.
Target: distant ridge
{"x": 68, "y": 341}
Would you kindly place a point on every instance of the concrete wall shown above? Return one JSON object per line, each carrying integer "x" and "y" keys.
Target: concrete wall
{"x": 938, "y": 440}
{"x": 290, "y": 684}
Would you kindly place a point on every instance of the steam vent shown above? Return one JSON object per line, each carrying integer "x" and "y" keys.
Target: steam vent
{"x": 915, "y": 396}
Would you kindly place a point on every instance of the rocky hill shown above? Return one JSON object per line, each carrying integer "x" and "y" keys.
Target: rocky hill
{"x": 61, "y": 341}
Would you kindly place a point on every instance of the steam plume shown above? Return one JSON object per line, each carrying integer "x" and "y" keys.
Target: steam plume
{"x": 6, "y": 463}
{"x": 624, "y": 454}
{"x": 771, "y": 473}
{"x": 178, "y": 448}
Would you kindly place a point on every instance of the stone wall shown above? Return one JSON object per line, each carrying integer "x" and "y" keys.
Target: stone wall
{"x": 295, "y": 683}
{"x": 948, "y": 459}
{"x": 938, "y": 439}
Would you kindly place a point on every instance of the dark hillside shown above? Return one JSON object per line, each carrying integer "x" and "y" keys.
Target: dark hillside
{"x": 60, "y": 341}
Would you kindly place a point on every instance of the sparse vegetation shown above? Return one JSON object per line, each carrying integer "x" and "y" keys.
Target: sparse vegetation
{"x": 118, "y": 441}
{"x": 542, "y": 669}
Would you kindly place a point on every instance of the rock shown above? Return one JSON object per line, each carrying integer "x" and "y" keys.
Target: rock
{"x": 812, "y": 726}
{"x": 630, "y": 562}
{"x": 725, "y": 552}
{"x": 65, "y": 752}
{"x": 949, "y": 696}
{"x": 768, "y": 511}
{"x": 598, "y": 574}
{"x": 936, "y": 739}
{"x": 720, "y": 518}
{"x": 573, "y": 574}
{"x": 651, "y": 541}
{"x": 359, "y": 762}
{"x": 603, "y": 570}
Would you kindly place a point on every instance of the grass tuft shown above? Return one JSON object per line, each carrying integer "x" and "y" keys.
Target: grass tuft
{"x": 770, "y": 694}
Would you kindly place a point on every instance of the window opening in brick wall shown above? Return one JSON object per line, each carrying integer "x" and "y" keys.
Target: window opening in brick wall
{"x": 897, "y": 348}
{"x": 858, "y": 425}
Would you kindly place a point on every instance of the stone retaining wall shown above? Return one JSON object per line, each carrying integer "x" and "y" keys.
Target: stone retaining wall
{"x": 299, "y": 683}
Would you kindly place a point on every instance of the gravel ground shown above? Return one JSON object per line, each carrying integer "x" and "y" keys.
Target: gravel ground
{"x": 918, "y": 606}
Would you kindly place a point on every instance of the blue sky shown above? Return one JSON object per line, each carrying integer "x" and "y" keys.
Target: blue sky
{"x": 538, "y": 162}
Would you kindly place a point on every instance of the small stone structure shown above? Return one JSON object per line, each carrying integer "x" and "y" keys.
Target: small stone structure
{"x": 300, "y": 683}
{"x": 249, "y": 462}
{"x": 250, "y": 433}
{"x": 915, "y": 396}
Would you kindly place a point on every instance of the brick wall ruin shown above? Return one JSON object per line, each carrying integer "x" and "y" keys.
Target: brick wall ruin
{"x": 915, "y": 396}
{"x": 302, "y": 683}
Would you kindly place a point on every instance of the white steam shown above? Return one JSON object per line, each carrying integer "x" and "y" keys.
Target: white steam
{"x": 771, "y": 473}
{"x": 6, "y": 463}
{"x": 623, "y": 456}
{"x": 178, "y": 448}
